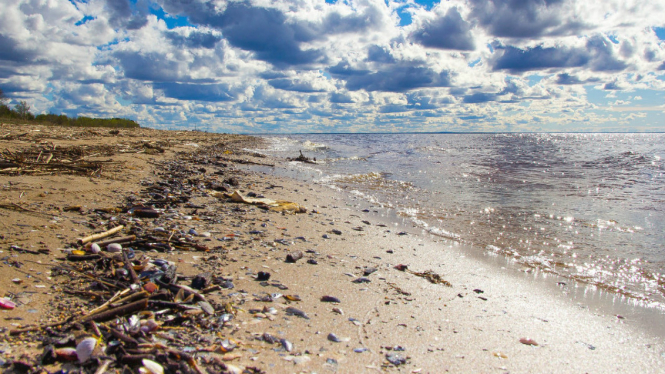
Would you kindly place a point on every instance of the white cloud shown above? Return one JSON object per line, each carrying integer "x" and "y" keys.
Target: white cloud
{"x": 306, "y": 65}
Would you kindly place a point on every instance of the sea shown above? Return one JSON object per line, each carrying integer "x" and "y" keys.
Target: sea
{"x": 588, "y": 208}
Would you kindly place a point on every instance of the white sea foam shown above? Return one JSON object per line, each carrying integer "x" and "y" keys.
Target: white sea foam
{"x": 312, "y": 146}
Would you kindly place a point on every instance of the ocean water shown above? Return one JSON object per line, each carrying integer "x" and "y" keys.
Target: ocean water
{"x": 588, "y": 207}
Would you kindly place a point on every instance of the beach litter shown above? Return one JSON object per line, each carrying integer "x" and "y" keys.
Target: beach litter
{"x": 430, "y": 275}
{"x": 264, "y": 203}
{"x": 126, "y": 309}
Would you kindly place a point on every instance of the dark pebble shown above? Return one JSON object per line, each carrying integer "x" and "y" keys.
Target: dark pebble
{"x": 262, "y": 276}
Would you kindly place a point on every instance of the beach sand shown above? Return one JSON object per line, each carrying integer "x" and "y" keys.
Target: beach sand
{"x": 477, "y": 323}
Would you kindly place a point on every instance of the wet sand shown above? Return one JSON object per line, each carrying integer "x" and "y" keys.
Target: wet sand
{"x": 478, "y": 324}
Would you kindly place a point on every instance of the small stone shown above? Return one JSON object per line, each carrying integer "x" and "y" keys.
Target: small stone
{"x": 333, "y": 338}
{"x": 395, "y": 358}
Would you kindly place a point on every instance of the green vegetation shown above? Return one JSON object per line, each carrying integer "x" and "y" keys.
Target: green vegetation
{"x": 21, "y": 112}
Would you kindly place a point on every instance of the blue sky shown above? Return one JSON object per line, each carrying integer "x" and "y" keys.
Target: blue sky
{"x": 258, "y": 66}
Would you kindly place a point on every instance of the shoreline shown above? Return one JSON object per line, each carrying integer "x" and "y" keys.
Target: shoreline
{"x": 474, "y": 325}
{"x": 648, "y": 315}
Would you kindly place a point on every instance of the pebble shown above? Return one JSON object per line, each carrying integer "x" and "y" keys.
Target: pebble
{"x": 395, "y": 358}
{"x": 301, "y": 360}
{"x": 296, "y": 312}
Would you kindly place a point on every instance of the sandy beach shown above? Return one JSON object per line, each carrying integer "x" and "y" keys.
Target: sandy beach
{"x": 455, "y": 314}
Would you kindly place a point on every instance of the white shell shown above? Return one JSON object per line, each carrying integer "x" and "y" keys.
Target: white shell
{"x": 151, "y": 367}
{"x": 114, "y": 248}
{"x": 94, "y": 248}
{"x": 133, "y": 324}
{"x": 84, "y": 349}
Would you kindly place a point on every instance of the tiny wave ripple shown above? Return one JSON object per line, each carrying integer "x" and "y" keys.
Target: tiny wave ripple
{"x": 585, "y": 206}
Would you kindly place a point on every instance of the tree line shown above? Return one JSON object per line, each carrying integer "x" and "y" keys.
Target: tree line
{"x": 21, "y": 111}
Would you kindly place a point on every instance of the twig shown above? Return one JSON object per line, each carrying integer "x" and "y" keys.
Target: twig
{"x": 39, "y": 327}
{"x": 123, "y": 239}
{"x": 100, "y": 235}
{"x": 102, "y": 368}
{"x": 129, "y": 267}
{"x": 116, "y": 312}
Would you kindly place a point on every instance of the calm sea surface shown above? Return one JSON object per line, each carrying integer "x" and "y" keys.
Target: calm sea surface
{"x": 590, "y": 207}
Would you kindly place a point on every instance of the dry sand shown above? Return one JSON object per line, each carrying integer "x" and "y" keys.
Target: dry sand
{"x": 475, "y": 325}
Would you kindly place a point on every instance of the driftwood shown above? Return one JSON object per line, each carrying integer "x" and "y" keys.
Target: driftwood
{"x": 302, "y": 158}
{"x": 129, "y": 267}
{"x": 124, "y": 239}
{"x": 117, "y": 312}
{"x": 101, "y": 235}
{"x": 39, "y": 327}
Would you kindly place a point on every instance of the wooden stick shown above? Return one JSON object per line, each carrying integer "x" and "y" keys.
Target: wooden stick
{"x": 106, "y": 304}
{"x": 116, "y": 312}
{"x": 100, "y": 235}
{"x": 125, "y": 338}
{"x": 123, "y": 239}
{"x": 35, "y": 328}
{"x": 128, "y": 299}
{"x": 129, "y": 267}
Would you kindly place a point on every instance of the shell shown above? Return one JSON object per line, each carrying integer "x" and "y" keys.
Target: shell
{"x": 68, "y": 354}
{"x": 151, "y": 367}
{"x": 114, "y": 248}
{"x": 268, "y": 338}
{"x": 133, "y": 324}
{"x": 228, "y": 345}
{"x": 333, "y": 338}
{"x": 94, "y": 248}
{"x": 6, "y": 303}
{"x": 207, "y": 308}
{"x": 528, "y": 341}
{"x": 149, "y": 325}
{"x": 84, "y": 349}
{"x": 288, "y": 346}
{"x": 150, "y": 287}
{"x": 233, "y": 369}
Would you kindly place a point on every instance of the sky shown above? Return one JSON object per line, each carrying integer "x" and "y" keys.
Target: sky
{"x": 298, "y": 66}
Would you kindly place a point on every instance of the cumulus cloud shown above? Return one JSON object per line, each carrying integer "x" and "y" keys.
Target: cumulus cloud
{"x": 449, "y": 31}
{"x": 120, "y": 15}
{"x": 527, "y": 18}
{"x": 598, "y": 54}
{"x": 267, "y": 65}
